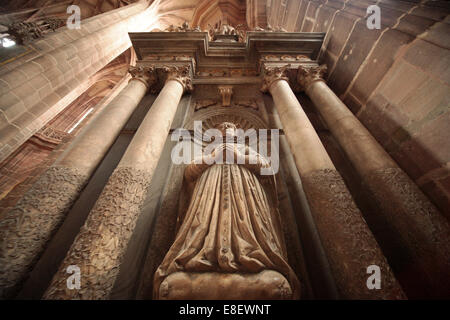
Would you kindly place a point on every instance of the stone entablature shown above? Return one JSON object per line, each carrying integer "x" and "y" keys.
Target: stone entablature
{"x": 230, "y": 61}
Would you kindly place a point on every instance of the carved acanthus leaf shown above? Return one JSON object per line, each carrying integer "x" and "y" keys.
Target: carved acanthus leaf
{"x": 252, "y": 104}
{"x": 145, "y": 74}
{"x": 272, "y": 74}
{"x": 180, "y": 74}
{"x": 307, "y": 75}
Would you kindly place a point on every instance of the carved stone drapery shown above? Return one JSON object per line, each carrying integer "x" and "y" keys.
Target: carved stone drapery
{"x": 230, "y": 236}
{"x": 272, "y": 74}
{"x": 307, "y": 75}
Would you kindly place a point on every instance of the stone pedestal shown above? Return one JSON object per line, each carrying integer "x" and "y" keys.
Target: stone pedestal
{"x": 412, "y": 223}
{"x": 102, "y": 241}
{"x": 346, "y": 238}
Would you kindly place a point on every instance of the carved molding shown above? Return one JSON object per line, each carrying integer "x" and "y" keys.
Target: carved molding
{"x": 206, "y": 103}
{"x": 272, "y": 74}
{"x": 26, "y": 229}
{"x": 225, "y": 72}
{"x": 308, "y": 75}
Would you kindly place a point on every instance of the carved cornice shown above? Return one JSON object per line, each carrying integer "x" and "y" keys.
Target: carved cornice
{"x": 181, "y": 74}
{"x": 145, "y": 74}
{"x": 307, "y": 75}
{"x": 272, "y": 74}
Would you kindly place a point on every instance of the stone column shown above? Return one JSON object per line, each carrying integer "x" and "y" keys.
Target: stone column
{"x": 346, "y": 238}
{"x": 37, "y": 86}
{"x": 99, "y": 247}
{"x": 416, "y": 228}
{"x": 26, "y": 229}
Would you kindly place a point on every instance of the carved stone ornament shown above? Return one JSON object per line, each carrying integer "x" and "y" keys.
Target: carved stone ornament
{"x": 269, "y": 28}
{"x": 145, "y": 74}
{"x": 183, "y": 28}
{"x": 201, "y": 104}
{"x": 226, "y": 92}
{"x": 251, "y": 103}
{"x": 226, "y": 33}
{"x": 180, "y": 74}
{"x": 307, "y": 75}
{"x": 272, "y": 74}
{"x": 25, "y": 32}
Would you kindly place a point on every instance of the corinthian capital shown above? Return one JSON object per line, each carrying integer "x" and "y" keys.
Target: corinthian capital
{"x": 180, "y": 74}
{"x": 307, "y": 75}
{"x": 147, "y": 75}
{"x": 272, "y": 74}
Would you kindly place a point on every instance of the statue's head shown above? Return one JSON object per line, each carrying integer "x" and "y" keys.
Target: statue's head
{"x": 224, "y": 126}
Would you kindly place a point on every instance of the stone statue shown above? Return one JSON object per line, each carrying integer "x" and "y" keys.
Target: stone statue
{"x": 221, "y": 31}
{"x": 183, "y": 28}
{"x": 26, "y": 32}
{"x": 230, "y": 243}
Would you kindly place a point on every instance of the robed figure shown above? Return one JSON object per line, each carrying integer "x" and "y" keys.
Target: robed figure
{"x": 230, "y": 243}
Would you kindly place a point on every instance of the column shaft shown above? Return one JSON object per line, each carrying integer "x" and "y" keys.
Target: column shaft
{"x": 348, "y": 242}
{"x": 99, "y": 247}
{"x": 26, "y": 229}
{"x": 38, "y": 86}
{"x": 414, "y": 226}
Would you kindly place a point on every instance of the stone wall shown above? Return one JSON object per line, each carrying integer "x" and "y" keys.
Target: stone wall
{"x": 394, "y": 79}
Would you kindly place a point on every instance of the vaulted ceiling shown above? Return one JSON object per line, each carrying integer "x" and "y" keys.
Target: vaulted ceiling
{"x": 197, "y": 12}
